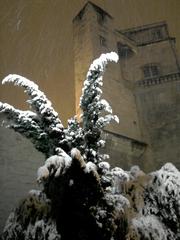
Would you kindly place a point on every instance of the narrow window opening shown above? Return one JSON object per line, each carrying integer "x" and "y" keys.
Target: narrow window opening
{"x": 103, "y": 41}
{"x": 100, "y": 17}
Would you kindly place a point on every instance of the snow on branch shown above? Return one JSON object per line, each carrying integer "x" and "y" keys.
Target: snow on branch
{"x": 27, "y": 124}
{"x": 55, "y": 165}
{"x": 91, "y": 93}
{"x": 14, "y": 114}
{"x": 39, "y": 102}
{"x": 93, "y": 106}
{"x": 20, "y": 119}
{"x": 74, "y": 136}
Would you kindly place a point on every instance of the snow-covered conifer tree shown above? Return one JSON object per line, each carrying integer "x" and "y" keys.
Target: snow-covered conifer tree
{"x": 82, "y": 197}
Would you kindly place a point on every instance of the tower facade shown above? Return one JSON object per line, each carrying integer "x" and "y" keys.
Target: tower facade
{"x": 142, "y": 88}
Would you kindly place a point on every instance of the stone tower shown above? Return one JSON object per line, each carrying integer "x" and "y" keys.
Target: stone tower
{"x": 94, "y": 34}
{"x": 142, "y": 88}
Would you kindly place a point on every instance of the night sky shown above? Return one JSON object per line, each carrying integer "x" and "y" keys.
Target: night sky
{"x": 37, "y": 41}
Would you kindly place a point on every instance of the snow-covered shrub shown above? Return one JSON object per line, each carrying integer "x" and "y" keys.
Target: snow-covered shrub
{"x": 155, "y": 204}
{"x": 32, "y": 220}
{"x": 162, "y": 198}
{"x": 150, "y": 227}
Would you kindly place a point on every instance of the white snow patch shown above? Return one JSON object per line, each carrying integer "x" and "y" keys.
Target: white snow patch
{"x": 71, "y": 182}
{"x": 105, "y": 166}
{"x": 151, "y": 228}
{"x": 119, "y": 177}
{"x": 106, "y": 105}
{"x": 135, "y": 172}
{"x": 42, "y": 174}
{"x": 117, "y": 200}
{"x": 35, "y": 192}
{"x": 90, "y": 167}
{"x": 19, "y": 80}
{"x": 120, "y": 174}
{"x": 56, "y": 164}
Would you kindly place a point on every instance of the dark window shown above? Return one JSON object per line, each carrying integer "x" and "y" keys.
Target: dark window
{"x": 100, "y": 17}
{"x": 157, "y": 34}
{"x": 124, "y": 51}
{"x": 103, "y": 41}
{"x": 151, "y": 70}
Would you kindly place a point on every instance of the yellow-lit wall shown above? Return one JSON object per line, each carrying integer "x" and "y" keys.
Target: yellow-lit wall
{"x": 36, "y": 40}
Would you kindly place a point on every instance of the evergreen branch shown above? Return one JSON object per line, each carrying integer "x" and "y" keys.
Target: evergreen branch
{"x": 12, "y": 112}
{"x": 74, "y": 135}
{"x": 49, "y": 119}
{"x": 92, "y": 86}
{"x": 93, "y": 106}
{"x": 27, "y": 124}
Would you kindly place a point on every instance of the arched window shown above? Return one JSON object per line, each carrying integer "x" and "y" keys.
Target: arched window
{"x": 151, "y": 70}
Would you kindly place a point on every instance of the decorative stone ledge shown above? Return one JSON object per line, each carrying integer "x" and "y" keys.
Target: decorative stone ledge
{"x": 159, "y": 80}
